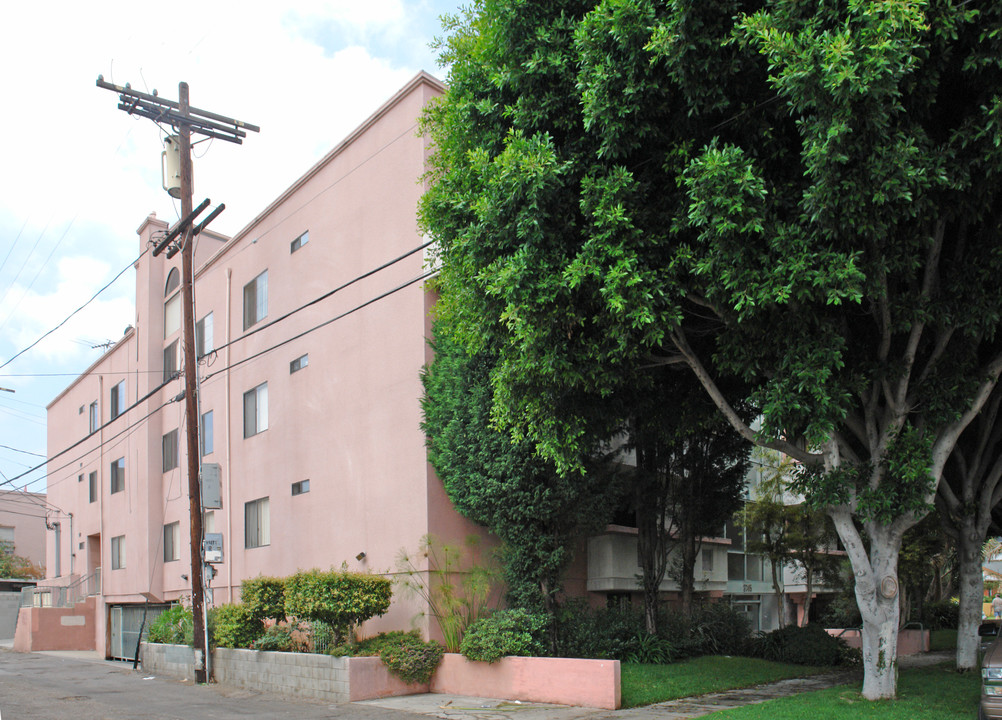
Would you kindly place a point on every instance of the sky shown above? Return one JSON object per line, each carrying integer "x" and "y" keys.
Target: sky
{"x": 79, "y": 176}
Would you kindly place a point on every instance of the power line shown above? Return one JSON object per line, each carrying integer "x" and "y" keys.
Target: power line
{"x": 326, "y": 295}
{"x": 341, "y": 316}
{"x": 26, "y": 452}
{"x": 94, "y": 297}
{"x": 84, "y": 439}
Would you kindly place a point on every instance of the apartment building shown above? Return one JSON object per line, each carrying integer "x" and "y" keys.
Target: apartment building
{"x": 309, "y": 388}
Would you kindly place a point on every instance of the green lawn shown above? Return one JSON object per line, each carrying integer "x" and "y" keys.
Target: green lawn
{"x": 943, "y": 640}
{"x": 936, "y": 693}
{"x": 647, "y": 684}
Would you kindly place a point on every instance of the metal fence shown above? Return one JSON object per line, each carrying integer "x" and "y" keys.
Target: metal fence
{"x": 62, "y": 596}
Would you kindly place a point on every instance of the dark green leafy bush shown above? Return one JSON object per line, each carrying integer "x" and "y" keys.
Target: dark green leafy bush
{"x": 411, "y": 659}
{"x": 282, "y": 637}
{"x": 234, "y": 626}
{"x": 943, "y": 615}
{"x": 608, "y": 633}
{"x": 174, "y": 627}
{"x": 809, "y": 645}
{"x": 264, "y": 597}
{"x": 341, "y": 599}
{"x": 507, "y": 632}
{"x": 651, "y": 649}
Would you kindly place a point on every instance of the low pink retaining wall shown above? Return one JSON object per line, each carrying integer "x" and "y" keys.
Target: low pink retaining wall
{"x": 565, "y": 681}
{"x": 369, "y": 678}
{"x": 910, "y": 642}
{"x": 49, "y": 628}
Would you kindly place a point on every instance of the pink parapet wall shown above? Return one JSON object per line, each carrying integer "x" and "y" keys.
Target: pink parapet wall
{"x": 910, "y": 642}
{"x": 564, "y": 681}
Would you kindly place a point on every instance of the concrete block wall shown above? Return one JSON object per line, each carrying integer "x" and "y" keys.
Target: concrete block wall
{"x": 299, "y": 674}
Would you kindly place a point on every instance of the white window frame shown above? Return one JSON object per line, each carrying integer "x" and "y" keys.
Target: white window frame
{"x": 93, "y": 420}
{"x": 256, "y": 410}
{"x": 169, "y": 450}
{"x": 257, "y": 523}
{"x": 256, "y": 300}
{"x": 299, "y": 242}
{"x": 172, "y": 541}
{"x": 116, "y": 478}
{"x": 206, "y": 434}
{"x": 118, "y": 552}
{"x": 203, "y": 336}
{"x": 301, "y": 362}
{"x": 117, "y": 400}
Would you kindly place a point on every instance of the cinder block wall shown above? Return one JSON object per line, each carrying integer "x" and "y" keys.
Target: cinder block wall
{"x": 298, "y": 674}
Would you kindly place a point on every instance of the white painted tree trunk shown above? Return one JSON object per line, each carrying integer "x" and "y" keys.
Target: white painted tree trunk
{"x": 971, "y": 596}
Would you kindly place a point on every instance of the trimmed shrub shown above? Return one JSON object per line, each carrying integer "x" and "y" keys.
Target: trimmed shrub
{"x": 341, "y": 599}
{"x": 234, "y": 626}
{"x": 809, "y": 645}
{"x": 264, "y": 597}
{"x": 507, "y": 632}
{"x": 175, "y": 626}
{"x": 410, "y": 658}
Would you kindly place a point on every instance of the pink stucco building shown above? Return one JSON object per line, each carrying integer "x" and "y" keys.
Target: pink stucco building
{"x": 311, "y": 411}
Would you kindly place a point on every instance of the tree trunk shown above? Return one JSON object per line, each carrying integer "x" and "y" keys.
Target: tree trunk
{"x": 777, "y": 588}
{"x": 809, "y": 587}
{"x": 687, "y": 543}
{"x": 877, "y": 597}
{"x": 971, "y": 594}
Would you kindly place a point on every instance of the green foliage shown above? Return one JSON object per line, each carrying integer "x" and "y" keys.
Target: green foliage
{"x": 943, "y": 615}
{"x": 506, "y": 632}
{"x": 614, "y": 633}
{"x": 808, "y": 645}
{"x": 264, "y": 597}
{"x": 411, "y": 659}
{"x": 15, "y": 566}
{"x": 501, "y": 483}
{"x": 453, "y": 582}
{"x": 234, "y": 626}
{"x": 341, "y": 599}
{"x": 174, "y": 626}
{"x": 282, "y": 637}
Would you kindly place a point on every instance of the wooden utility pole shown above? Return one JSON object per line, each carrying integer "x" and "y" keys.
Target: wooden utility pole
{"x": 185, "y": 120}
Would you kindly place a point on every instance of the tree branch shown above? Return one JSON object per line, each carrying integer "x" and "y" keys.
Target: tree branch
{"x": 743, "y": 429}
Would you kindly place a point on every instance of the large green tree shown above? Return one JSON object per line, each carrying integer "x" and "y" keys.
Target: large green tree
{"x": 503, "y": 485}
{"x": 802, "y": 195}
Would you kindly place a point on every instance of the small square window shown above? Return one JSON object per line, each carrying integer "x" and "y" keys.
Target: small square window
{"x": 301, "y": 487}
{"x": 299, "y": 363}
{"x": 299, "y": 242}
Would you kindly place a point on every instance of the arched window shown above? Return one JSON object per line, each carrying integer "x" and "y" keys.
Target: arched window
{"x": 173, "y": 280}
{"x": 172, "y": 304}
